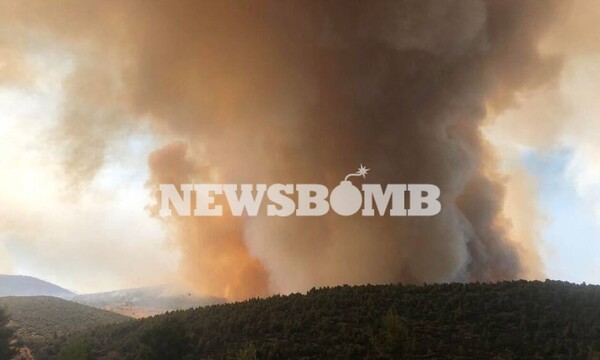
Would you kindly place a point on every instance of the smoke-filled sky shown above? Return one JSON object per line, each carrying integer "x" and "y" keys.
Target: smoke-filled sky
{"x": 492, "y": 101}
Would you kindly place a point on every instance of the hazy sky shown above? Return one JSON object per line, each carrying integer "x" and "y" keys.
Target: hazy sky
{"x": 103, "y": 238}
{"x": 554, "y": 136}
{"x": 563, "y": 161}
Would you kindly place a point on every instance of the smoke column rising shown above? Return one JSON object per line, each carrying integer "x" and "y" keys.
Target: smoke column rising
{"x": 276, "y": 92}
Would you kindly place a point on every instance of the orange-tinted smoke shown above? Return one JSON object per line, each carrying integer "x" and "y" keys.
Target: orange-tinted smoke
{"x": 215, "y": 257}
{"x": 292, "y": 92}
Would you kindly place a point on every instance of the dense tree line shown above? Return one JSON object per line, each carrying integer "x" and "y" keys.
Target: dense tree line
{"x": 507, "y": 320}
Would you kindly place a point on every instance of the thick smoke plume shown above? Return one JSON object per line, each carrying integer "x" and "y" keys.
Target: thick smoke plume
{"x": 276, "y": 92}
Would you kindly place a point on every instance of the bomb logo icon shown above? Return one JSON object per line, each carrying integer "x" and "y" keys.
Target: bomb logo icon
{"x": 346, "y": 199}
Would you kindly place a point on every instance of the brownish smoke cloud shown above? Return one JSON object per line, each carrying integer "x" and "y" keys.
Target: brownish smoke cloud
{"x": 265, "y": 92}
{"x": 215, "y": 254}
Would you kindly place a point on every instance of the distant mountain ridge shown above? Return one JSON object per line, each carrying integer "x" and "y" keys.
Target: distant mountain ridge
{"x": 136, "y": 302}
{"x": 19, "y": 285}
{"x": 144, "y": 301}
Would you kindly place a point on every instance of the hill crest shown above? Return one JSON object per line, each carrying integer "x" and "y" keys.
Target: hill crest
{"x": 21, "y": 285}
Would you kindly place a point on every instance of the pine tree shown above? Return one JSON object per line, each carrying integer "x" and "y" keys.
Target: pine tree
{"x": 394, "y": 340}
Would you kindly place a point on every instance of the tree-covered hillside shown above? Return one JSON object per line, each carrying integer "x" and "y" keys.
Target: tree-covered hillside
{"x": 507, "y": 320}
{"x": 43, "y": 323}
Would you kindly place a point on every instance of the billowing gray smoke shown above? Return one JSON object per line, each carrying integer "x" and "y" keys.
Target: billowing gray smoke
{"x": 298, "y": 91}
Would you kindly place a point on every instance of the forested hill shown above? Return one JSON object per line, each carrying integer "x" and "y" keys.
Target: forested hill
{"x": 42, "y": 323}
{"x": 507, "y": 320}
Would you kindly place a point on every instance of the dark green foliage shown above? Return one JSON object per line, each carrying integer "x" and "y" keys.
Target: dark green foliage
{"x": 394, "y": 340}
{"x": 168, "y": 339}
{"x": 6, "y": 336}
{"x": 77, "y": 348}
{"x": 507, "y": 320}
{"x": 248, "y": 352}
